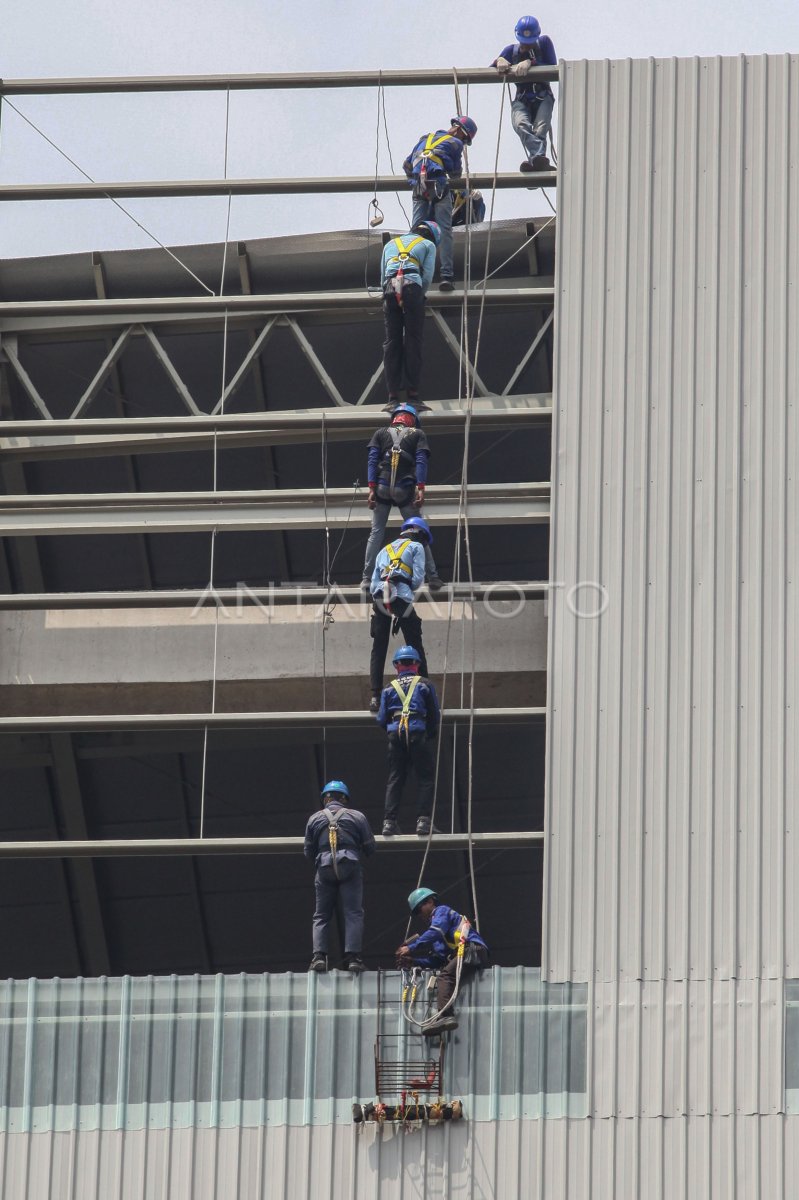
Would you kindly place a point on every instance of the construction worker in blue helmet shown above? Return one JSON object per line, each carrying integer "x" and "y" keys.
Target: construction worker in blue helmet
{"x": 410, "y": 715}
{"x": 396, "y": 471}
{"x": 406, "y": 274}
{"x": 449, "y": 944}
{"x": 531, "y": 110}
{"x": 435, "y": 160}
{"x": 337, "y": 837}
{"x": 397, "y": 577}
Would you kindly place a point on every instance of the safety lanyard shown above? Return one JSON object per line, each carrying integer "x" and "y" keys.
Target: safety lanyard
{"x": 397, "y": 433}
{"x": 405, "y": 697}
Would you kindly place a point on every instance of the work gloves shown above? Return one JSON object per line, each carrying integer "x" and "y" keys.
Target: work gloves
{"x": 371, "y": 499}
{"x": 408, "y": 168}
{"x": 502, "y": 65}
{"x": 521, "y": 68}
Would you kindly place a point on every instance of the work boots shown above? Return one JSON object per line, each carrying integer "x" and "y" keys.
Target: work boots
{"x": 354, "y": 963}
{"x": 390, "y": 827}
{"x": 318, "y": 962}
{"x": 443, "y": 1024}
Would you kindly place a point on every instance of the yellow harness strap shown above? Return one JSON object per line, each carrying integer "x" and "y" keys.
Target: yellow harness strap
{"x": 395, "y": 558}
{"x": 405, "y": 697}
{"x": 432, "y": 144}
{"x": 405, "y": 252}
{"x": 461, "y": 935}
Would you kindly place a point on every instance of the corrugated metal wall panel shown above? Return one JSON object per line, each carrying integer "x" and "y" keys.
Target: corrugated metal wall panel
{"x": 693, "y": 1158}
{"x": 670, "y": 789}
{"x": 250, "y": 1050}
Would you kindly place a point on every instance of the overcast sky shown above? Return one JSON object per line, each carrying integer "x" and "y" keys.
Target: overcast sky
{"x": 331, "y": 132}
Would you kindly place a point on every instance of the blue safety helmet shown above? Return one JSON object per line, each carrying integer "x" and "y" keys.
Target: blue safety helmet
{"x": 406, "y": 654}
{"x": 429, "y": 227}
{"x": 418, "y": 523}
{"x": 528, "y": 30}
{"x": 468, "y": 126}
{"x": 418, "y": 896}
{"x": 405, "y": 408}
{"x": 335, "y": 785}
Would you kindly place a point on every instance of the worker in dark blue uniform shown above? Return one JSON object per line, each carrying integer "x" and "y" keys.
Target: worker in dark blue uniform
{"x": 396, "y": 471}
{"x": 336, "y": 839}
{"x": 435, "y": 159}
{"x": 410, "y": 715}
{"x": 468, "y": 207}
{"x": 397, "y": 577}
{"x": 449, "y": 945}
{"x": 531, "y": 110}
{"x": 406, "y": 273}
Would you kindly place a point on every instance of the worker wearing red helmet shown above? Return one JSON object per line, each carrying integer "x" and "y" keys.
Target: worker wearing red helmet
{"x": 435, "y": 159}
{"x": 531, "y": 110}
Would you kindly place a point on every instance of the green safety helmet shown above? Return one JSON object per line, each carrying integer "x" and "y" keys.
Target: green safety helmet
{"x": 418, "y": 896}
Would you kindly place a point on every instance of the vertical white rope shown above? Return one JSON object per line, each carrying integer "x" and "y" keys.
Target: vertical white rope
{"x": 216, "y": 479}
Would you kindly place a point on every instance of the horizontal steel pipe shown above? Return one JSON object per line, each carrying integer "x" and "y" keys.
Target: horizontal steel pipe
{"x": 315, "y": 185}
{"x": 102, "y": 722}
{"x": 443, "y": 416}
{"x": 519, "y": 504}
{"x": 154, "y": 308}
{"x": 171, "y": 847}
{"x": 267, "y": 597}
{"x": 444, "y": 76}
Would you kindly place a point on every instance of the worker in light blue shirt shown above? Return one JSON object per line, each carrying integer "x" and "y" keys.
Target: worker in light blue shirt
{"x": 531, "y": 110}
{"x": 435, "y": 159}
{"x": 398, "y": 575}
{"x": 406, "y": 273}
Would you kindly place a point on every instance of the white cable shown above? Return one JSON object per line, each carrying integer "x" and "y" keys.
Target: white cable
{"x": 114, "y": 201}
{"x": 215, "y": 481}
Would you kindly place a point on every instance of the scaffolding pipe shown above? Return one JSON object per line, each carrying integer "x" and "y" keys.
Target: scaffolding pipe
{"x": 443, "y": 76}
{"x": 170, "y": 847}
{"x": 156, "y": 307}
{"x": 266, "y": 597}
{"x": 316, "y": 185}
{"x": 103, "y": 722}
{"x": 447, "y": 416}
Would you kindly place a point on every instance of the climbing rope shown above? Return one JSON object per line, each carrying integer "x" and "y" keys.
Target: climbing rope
{"x": 216, "y": 479}
{"x": 466, "y": 382}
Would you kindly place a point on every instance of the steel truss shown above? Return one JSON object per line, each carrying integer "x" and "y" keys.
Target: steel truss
{"x": 251, "y": 362}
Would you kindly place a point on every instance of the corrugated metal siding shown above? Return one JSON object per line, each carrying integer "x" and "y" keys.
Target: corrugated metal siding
{"x": 672, "y": 738}
{"x": 251, "y": 1050}
{"x": 696, "y": 1158}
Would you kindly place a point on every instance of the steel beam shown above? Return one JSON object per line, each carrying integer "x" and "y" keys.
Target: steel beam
{"x": 444, "y": 76}
{"x": 171, "y": 847}
{"x": 487, "y": 504}
{"x": 284, "y": 426}
{"x": 355, "y": 719}
{"x": 152, "y": 309}
{"x": 315, "y": 185}
{"x": 266, "y": 597}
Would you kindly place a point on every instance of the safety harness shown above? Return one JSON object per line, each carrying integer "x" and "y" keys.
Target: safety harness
{"x": 396, "y": 569}
{"x": 406, "y": 698}
{"x": 403, "y": 258}
{"x": 397, "y": 433}
{"x": 333, "y": 819}
{"x": 428, "y": 156}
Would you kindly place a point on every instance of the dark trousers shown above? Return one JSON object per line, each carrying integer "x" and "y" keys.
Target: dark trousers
{"x": 380, "y": 629}
{"x": 404, "y": 753}
{"x": 349, "y": 887}
{"x": 445, "y": 984}
{"x": 402, "y": 349}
